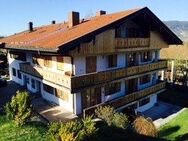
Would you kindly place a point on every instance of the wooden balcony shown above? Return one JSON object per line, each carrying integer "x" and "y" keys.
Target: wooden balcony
{"x": 131, "y": 42}
{"x": 83, "y": 81}
{"x": 41, "y": 73}
{"x": 117, "y": 103}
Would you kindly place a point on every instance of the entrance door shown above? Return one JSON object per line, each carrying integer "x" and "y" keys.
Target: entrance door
{"x": 91, "y": 97}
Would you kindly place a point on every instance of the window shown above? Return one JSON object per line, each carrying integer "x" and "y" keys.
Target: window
{"x": 145, "y": 79}
{"x": 131, "y": 59}
{"x": 18, "y": 55}
{"x": 112, "y": 88}
{"x": 13, "y": 71}
{"x": 19, "y": 74}
{"x": 112, "y": 61}
{"x": 61, "y": 94}
{"x": 145, "y": 56}
{"x": 91, "y": 64}
{"x": 91, "y": 97}
{"x": 33, "y": 83}
{"x": 144, "y": 101}
{"x": 60, "y": 64}
{"x": 47, "y": 61}
{"x": 48, "y": 89}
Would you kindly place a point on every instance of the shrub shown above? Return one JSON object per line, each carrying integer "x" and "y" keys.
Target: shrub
{"x": 68, "y": 131}
{"x": 120, "y": 120}
{"x": 106, "y": 113}
{"x": 88, "y": 129}
{"x": 111, "y": 117}
{"x": 19, "y": 108}
{"x": 145, "y": 127}
{"x": 53, "y": 131}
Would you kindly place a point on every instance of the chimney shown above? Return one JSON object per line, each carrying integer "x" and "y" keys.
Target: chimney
{"x": 53, "y": 22}
{"x": 101, "y": 12}
{"x": 73, "y": 19}
{"x": 30, "y": 26}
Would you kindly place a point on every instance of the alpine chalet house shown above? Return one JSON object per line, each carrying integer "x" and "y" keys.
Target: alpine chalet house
{"x": 109, "y": 59}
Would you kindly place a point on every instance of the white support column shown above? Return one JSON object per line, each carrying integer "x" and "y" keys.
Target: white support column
{"x": 172, "y": 71}
{"x": 162, "y": 75}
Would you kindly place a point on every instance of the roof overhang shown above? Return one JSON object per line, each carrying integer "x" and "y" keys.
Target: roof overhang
{"x": 154, "y": 21}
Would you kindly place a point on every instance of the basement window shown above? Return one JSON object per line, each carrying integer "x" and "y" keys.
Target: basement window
{"x": 48, "y": 89}
{"x": 13, "y": 71}
{"x": 144, "y": 101}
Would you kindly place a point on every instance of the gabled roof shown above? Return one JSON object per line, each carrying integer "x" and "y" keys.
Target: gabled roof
{"x": 60, "y": 37}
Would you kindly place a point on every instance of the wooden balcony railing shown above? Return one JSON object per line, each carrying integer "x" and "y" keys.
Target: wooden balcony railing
{"x": 38, "y": 72}
{"x": 132, "y": 42}
{"x": 79, "y": 82}
{"x": 127, "y": 98}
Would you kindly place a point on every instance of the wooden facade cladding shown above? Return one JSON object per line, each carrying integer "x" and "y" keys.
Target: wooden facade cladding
{"x": 83, "y": 81}
{"x": 106, "y": 43}
{"x": 122, "y": 101}
{"x": 41, "y": 73}
{"x": 132, "y": 42}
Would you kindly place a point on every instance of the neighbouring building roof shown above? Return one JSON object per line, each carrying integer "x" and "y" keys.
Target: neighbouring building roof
{"x": 179, "y": 52}
{"x": 59, "y": 36}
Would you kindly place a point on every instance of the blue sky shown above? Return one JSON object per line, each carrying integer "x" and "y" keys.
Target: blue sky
{"x": 15, "y": 14}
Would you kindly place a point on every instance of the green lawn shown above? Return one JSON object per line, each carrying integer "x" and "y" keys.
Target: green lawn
{"x": 33, "y": 131}
{"x": 177, "y": 129}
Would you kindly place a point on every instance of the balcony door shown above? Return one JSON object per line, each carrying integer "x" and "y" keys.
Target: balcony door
{"x": 91, "y": 64}
{"x": 131, "y": 59}
{"x": 91, "y": 97}
{"x": 132, "y": 85}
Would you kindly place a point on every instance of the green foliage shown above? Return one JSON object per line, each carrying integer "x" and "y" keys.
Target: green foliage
{"x": 106, "y": 113}
{"x": 120, "y": 120}
{"x": 111, "y": 117}
{"x": 145, "y": 127}
{"x": 53, "y": 131}
{"x": 68, "y": 131}
{"x": 88, "y": 129}
{"x": 19, "y": 108}
{"x": 72, "y": 131}
{"x": 33, "y": 131}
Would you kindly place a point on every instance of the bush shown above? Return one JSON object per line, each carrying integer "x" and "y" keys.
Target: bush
{"x": 72, "y": 131}
{"x": 68, "y": 131}
{"x": 145, "y": 127}
{"x": 120, "y": 120}
{"x": 19, "y": 108}
{"x": 111, "y": 117}
{"x": 88, "y": 129}
{"x": 53, "y": 131}
{"x": 106, "y": 113}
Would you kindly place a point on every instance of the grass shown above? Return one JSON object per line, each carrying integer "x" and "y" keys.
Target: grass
{"x": 177, "y": 129}
{"x": 33, "y": 131}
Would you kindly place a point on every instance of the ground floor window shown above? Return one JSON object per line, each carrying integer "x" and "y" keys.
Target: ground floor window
{"x": 48, "y": 89}
{"x": 61, "y": 94}
{"x": 91, "y": 97}
{"x": 13, "y": 71}
{"x": 144, "y": 101}
{"x": 33, "y": 83}
{"x": 19, "y": 74}
{"x": 112, "y": 88}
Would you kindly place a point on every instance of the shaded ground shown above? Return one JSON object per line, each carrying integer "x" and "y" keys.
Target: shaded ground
{"x": 175, "y": 94}
{"x": 161, "y": 110}
{"x": 6, "y": 93}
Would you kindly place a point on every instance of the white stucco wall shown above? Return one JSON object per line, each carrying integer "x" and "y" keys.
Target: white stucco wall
{"x": 153, "y": 100}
